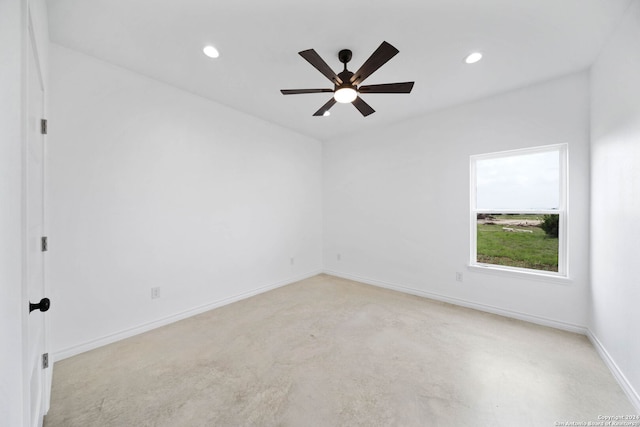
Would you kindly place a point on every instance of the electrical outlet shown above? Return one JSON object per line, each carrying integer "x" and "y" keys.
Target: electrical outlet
{"x": 458, "y": 276}
{"x": 292, "y": 261}
{"x": 155, "y": 292}
{"x": 339, "y": 257}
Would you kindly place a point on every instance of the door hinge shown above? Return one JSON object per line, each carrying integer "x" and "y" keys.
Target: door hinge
{"x": 45, "y": 244}
{"x": 43, "y": 126}
{"x": 45, "y": 360}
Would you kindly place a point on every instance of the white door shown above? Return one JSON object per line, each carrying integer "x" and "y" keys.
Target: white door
{"x": 34, "y": 156}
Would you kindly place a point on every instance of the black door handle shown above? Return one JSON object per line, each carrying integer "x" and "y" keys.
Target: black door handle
{"x": 43, "y": 305}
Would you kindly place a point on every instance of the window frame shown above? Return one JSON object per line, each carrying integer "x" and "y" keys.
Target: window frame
{"x": 562, "y": 211}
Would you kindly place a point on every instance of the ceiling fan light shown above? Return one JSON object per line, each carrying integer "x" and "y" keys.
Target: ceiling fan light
{"x": 327, "y": 113}
{"x": 345, "y": 95}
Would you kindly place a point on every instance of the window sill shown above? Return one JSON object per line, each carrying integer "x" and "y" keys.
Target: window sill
{"x": 520, "y": 273}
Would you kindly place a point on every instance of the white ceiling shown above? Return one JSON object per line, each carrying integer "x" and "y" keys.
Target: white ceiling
{"x": 524, "y": 41}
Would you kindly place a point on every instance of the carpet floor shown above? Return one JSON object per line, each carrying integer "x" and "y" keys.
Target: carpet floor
{"x": 332, "y": 352}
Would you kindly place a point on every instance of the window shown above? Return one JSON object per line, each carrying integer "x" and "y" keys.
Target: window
{"x": 518, "y": 210}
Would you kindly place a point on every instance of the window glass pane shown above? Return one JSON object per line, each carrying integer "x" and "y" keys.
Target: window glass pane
{"x": 518, "y": 240}
{"x": 521, "y": 182}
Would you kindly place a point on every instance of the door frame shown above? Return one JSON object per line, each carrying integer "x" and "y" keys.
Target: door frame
{"x": 32, "y": 48}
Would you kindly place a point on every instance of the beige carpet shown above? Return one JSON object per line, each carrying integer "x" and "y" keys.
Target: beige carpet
{"x": 332, "y": 352}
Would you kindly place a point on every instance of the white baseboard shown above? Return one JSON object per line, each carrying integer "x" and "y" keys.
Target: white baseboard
{"x": 626, "y": 386}
{"x": 117, "y": 336}
{"x": 464, "y": 303}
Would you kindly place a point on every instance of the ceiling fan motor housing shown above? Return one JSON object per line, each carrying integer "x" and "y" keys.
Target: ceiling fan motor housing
{"x": 345, "y": 76}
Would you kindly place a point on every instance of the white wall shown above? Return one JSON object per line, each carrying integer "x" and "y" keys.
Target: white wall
{"x": 615, "y": 201}
{"x": 152, "y": 186}
{"x": 11, "y": 299}
{"x": 396, "y": 201}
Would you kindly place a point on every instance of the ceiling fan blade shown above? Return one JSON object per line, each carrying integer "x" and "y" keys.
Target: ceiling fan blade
{"x": 325, "y": 108}
{"x": 363, "y": 107}
{"x": 387, "y": 88}
{"x": 314, "y": 59}
{"x": 382, "y": 54}
{"x": 300, "y": 91}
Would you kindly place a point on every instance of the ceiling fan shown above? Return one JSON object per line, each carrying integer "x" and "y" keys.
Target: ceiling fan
{"x": 347, "y": 84}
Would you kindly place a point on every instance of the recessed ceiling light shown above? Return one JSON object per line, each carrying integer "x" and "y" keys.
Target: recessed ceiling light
{"x": 211, "y": 51}
{"x": 472, "y": 58}
{"x": 326, "y": 113}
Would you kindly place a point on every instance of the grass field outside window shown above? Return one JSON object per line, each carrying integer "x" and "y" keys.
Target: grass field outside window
{"x": 515, "y": 241}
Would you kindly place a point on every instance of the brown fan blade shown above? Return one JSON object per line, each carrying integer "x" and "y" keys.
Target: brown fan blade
{"x": 387, "y": 88}
{"x": 363, "y": 107}
{"x": 314, "y": 59}
{"x": 383, "y": 53}
{"x": 300, "y": 91}
{"x": 325, "y": 108}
